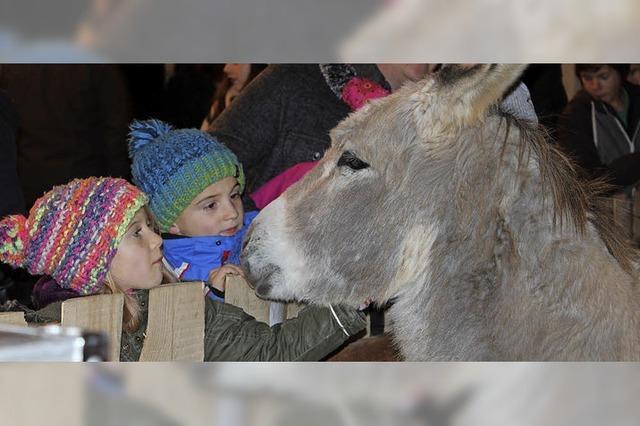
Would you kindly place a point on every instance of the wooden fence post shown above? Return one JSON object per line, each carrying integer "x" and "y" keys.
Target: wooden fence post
{"x": 102, "y": 313}
{"x": 239, "y": 293}
{"x": 13, "y": 318}
{"x": 175, "y": 328}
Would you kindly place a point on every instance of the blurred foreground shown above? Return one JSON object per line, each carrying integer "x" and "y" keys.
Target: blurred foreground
{"x": 249, "y": 394}
{"x": 311, "y": 31}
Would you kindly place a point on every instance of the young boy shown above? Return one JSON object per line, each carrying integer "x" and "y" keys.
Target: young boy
{"x": 194, "y": 185}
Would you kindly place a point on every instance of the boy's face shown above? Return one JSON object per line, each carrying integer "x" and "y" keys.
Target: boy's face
{"x": 217, "y": 210}
{"x": 603, "y": 84}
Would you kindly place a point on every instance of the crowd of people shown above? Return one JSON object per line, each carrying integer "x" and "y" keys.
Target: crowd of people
{"x": 178, "y": 199}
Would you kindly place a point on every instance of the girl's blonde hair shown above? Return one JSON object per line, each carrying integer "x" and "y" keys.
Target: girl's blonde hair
{"x": 131, "y": 311}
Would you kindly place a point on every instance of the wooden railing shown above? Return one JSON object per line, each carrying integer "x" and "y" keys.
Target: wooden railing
{"x": 175, "y": 324}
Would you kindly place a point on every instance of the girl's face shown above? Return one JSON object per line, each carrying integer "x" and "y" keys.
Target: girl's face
{"x": 217, "y": 210}
{"x": 138, "y": 261}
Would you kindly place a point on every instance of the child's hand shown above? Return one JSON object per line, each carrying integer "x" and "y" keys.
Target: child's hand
{"x": 217, "y": 276}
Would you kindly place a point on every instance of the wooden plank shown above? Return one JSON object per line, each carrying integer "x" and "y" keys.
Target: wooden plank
{"x": 101, "y": 313}
{"x": 238, "y": 292}
{"x": 175, "y": 328}
{"x": 13, "y": 318}
{"x": 293, "y": 309}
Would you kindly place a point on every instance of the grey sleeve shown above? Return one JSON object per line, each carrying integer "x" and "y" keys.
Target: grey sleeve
{"x": 519, "y": 104}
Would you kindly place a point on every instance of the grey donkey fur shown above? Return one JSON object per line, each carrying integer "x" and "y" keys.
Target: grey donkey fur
{"x": 468, "y": 218}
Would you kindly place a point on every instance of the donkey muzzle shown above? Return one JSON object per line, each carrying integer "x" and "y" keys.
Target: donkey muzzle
{"x": 259, "y": 273}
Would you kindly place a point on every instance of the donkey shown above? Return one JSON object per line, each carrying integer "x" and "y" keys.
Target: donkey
{"x": 468, "y": 218}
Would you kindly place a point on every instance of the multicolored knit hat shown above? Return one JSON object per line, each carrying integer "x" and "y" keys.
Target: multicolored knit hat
{"x": 173, "y": 166}
{"x": 72, "y": 232}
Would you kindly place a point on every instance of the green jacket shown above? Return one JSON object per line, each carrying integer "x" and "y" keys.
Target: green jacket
{"x": 230, "y": 334}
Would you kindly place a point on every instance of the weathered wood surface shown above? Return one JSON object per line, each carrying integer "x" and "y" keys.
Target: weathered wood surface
{"x": 13, "y": 318}
{"x": 175, "y": 328}
{"x": 102, "y": 313}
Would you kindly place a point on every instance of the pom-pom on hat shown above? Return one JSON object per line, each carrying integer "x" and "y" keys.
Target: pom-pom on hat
{"x": 72, "y": 232}
{"x": 173, "y": 166}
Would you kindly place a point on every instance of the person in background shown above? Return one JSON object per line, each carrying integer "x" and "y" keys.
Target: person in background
{"x": 634, "y": 74}
{"x": 600, "y": 127}
{"x": 237, "y": 76}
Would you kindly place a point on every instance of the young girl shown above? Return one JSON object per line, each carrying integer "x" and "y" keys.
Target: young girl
{"x": 93, "y": 236}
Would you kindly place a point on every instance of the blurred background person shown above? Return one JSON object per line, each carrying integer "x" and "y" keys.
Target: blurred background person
{"x": 634, "y": 74}
{"x": 236, "y": 77}
{"x": 600, "y": 126}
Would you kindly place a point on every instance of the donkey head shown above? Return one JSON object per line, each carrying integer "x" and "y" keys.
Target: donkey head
{"x": 399, "y": 173}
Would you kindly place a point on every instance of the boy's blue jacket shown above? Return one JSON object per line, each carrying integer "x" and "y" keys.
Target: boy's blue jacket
{"x": 192, "y": 258}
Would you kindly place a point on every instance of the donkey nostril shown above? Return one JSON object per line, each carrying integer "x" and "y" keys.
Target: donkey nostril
{"x": 263, "y": 290}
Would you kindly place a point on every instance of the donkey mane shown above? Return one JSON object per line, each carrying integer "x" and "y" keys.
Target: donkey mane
{"x": 575, "y": 201}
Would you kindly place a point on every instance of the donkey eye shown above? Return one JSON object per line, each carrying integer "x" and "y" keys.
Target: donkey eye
{"x": 350, "y": 160}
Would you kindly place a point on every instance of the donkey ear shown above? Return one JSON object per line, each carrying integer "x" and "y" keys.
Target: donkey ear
{"x": 459, "y": 95}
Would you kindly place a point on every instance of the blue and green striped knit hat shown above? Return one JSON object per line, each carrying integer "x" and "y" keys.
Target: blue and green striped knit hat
{"x": 173, "y": 166}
